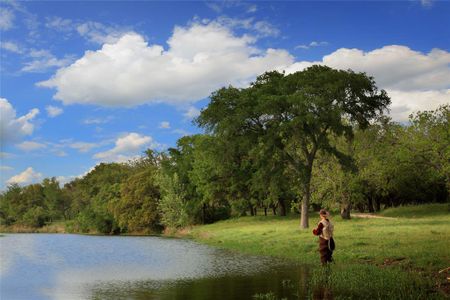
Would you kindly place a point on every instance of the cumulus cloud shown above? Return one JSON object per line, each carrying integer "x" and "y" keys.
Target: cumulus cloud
{"x": 126, "y": 147}
{"x": 164, "y": 125}
{"x": 397, "y": 67}
{"x": 53, "y": 111}
{"x": 30, "y": 146}
{"x": 413, "y": 80}
{"x": 200, "y": 59}
{"x": 206, "y": 55}
{"x": 13, "y": 128}
{"x": 26, "y": 177}
{"x": 406, "y": 103}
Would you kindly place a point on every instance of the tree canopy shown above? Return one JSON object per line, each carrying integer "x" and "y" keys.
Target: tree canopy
{"x": 292, "y": 117}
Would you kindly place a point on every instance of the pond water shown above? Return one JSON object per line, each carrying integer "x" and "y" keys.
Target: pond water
{"x": 56, "y": 266}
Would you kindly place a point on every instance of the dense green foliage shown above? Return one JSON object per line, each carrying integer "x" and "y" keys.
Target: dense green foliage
{"x": 311, "y": 139}
{"x": 291, "y": 119}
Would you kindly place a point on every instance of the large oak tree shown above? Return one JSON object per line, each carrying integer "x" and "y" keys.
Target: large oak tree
{"x": 293, "y": 116}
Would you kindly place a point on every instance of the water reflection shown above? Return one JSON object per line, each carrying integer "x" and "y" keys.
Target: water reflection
{"x": 49, "y": 266}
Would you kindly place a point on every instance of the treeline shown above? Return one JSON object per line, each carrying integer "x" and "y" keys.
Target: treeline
{"x": 270, "y": 148}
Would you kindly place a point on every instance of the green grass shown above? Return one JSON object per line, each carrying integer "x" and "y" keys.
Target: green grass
{"x": 418, "y": 211}
{"x": 409, "y": 249}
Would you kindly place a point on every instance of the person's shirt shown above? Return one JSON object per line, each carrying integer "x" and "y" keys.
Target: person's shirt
{"x": 324, "y": 229}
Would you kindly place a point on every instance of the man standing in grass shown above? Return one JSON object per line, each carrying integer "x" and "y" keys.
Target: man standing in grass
{"x": 325, "y": 232}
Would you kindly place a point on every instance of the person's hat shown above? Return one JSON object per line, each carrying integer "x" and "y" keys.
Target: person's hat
{"x": 324, "y": 212}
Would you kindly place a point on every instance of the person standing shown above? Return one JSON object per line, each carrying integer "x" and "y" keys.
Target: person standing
{"x": 325, "y": 232}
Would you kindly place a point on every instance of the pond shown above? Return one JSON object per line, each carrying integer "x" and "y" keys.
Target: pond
{"x": 66, "y": 266}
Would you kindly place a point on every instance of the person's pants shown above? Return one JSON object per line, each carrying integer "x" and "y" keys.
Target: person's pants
{"x": 325, "y": 253}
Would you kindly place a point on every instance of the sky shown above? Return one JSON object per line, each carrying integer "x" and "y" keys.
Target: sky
{"x": 86, "y": 82}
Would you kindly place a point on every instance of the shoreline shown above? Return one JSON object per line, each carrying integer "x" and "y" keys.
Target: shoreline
{"x": 414, "y": 250}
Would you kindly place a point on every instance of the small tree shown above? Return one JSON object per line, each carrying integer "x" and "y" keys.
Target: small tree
{"x": 173, "y": 203}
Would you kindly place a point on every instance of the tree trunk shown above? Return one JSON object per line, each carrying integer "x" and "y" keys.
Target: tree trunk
{"x": 345, "y": 211}
{"x": 370, "y": 204}
{"x": 274, "y": 209}
{"x": 204, "y": 213}
{"x": 252, "y": 213}
{"x": 304, "y": 221}
{"x": 265, "y": 211}
{"x": 377, "y": 203}
{"x": 256, "y": 212}
{"x": 282, "y": 207}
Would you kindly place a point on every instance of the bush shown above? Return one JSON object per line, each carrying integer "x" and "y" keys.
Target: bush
{"x": 35, "y": 217}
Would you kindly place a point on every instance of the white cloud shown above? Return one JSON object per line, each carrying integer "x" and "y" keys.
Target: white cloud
{"x": 97, "y": 120}
{"x": 6, "y": 19}
{"x": 99, "y": 33}
{"x": 59, "y": 24}
{"x": 94, "y": 32}
{"x": 30, "y": 146}
{"x": 405, "y": 103}
{"x": 414, "y": 80}
{"x": 258, "y": 28}
{"x": 397, "y": 67}
{"x": 265, "y": 29}
{"x": 42, "y": 60}
{"x": 311, "y": 45}
{"x": 220, "y": 6}
{"x": 6, "y": 168}
{"x": 426, "y": 3}
{"x": 11, "y": 46}
{"x": 26, "y": 177}
{"x": 252, "y": 8}
{"x": 127, "y": 147}
{"x": 191, "y": 113}
{"x": 53, "y": 111}
{"x": 13, "y": 128}
{"x": 164, "y": 125}
{"x": 60, "y": 153}
{"x": 200, "y": 59}
{"x": 83, "y": 147}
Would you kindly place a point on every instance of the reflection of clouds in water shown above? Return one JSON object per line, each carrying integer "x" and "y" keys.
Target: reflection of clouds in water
{"x": 13, "y": 249}
{"x": 76, "y": 265}
{"x": 163, "y": 261}
{"x": 19, "y": 247}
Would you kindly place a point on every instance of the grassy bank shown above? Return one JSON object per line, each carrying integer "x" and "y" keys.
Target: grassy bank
{"x": 397, "y": 257}
{"x": 55, "y": 227}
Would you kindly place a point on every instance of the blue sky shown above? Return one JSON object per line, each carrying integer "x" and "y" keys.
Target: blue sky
{"x": 89, "y": 82}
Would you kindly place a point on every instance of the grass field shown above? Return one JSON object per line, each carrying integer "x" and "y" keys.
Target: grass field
{"x": 397, "y": 257}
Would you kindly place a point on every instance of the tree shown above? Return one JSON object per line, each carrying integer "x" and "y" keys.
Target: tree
{"x": 56, "y": 201}
{"x": 297, "y": 113}
{"x": 173, "y": 202}
{"x": 137, "y": 208}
